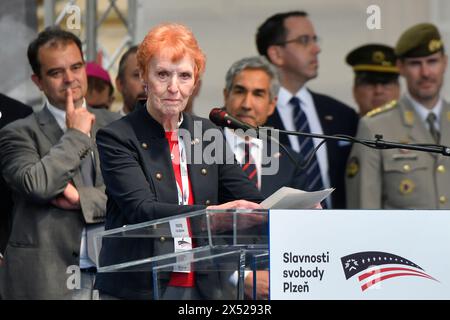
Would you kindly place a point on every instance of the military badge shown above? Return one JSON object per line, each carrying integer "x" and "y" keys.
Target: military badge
{"x": 409, "y": 117}
{"x": 382, "y": 109}
{"x": 406, "y": 186}
{"x": 352, "y": 167}
{"x": 434, "y": 45}
{"x": 378, "y": 57}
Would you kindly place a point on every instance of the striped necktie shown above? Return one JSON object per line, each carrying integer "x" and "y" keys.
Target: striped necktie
{"x": 248, "y": 164}
{"x": 306, "y": 146}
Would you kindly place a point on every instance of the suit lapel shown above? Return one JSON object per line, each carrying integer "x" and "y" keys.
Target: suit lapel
{"x": 275, "y": 121}
{"x": 191, "y": 144}
{"x": 267, "y": 181}
{"x": 326, "y": 118}
{"x": 154, "y": 149}
{"x": 327, "y": 122}
{"x": 48, "y": 125}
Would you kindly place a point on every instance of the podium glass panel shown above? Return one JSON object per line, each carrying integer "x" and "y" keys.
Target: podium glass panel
{"x": 238, "y": 227}
{"x": 219, "y": 271}
{"x": 224, "y": 243}
{"x": 212, "y": 270}
{"x": 259, "y": 266}
{"x": 207, "y": 228}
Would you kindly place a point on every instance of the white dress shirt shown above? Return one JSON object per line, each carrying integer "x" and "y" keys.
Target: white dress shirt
{"x": 122, "y": 112}
{"x": 423, "y": 111}
{"x": 237, "y": 143}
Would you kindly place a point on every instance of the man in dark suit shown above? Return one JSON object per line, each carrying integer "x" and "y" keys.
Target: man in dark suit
{"x": 250, "y": 95}
{"x": 50, "y": 161}
{"x": 289, "y": 41}
{"x": 10, "y": 110}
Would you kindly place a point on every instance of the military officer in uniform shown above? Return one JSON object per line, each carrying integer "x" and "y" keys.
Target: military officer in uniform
{"x": 398, "y": 178}
{"x": 376, "y": 76}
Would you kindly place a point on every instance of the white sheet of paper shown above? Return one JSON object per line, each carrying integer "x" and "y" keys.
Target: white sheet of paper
{"x": 290, "y": 198}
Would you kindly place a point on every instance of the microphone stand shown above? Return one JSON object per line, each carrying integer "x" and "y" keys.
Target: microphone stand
{"x": 378, "y": 143}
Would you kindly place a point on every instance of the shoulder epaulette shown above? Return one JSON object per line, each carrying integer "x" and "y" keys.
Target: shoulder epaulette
{"x": 383, "y": 108}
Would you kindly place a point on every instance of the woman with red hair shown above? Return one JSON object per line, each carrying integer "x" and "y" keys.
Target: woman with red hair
{"x": 154, "y": 166}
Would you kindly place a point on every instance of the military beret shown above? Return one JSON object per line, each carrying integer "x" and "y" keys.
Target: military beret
{"x": 373, "y": 58}
{"x": 420, "y": 40}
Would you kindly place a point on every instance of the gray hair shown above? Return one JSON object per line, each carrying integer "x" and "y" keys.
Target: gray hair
{"x": 256, "y": 62}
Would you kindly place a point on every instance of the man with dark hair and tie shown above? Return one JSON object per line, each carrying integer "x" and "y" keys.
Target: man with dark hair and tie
{"x": 398, "y": 178}
{"x": 50, "y": 162}
{"x": 289, "y": 42}
{"x": 250, "y": 96}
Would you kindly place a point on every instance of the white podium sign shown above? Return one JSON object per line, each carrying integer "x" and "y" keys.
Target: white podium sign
{"x": 359, "y": 254}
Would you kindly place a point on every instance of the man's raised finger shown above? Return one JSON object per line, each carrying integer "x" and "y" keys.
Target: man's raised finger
{"x": 69, "y": 101}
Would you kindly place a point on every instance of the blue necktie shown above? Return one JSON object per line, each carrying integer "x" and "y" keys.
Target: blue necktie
{"x": 314, "y": 182}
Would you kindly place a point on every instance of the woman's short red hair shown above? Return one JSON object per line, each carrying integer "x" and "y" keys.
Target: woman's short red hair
{"x": 176, "y": 40}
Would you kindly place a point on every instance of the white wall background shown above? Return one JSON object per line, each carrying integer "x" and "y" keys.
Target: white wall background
{"x": 226, "y": 31}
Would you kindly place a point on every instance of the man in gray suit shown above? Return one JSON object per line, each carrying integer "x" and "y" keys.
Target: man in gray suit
{"x": 50, "y": 161}
{"x": 398, "y": 178}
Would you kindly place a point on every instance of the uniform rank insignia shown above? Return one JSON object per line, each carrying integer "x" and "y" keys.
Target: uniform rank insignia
{"x": 409, "y": 117}
{"x": 406, "y": 186}
{"x": 382, "y": 109}
{"x": 352, "y": 167}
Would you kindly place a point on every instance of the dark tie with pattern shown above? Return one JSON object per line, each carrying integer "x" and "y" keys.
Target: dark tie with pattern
{"x": 248, "y": 165}
{"x": 431, "y": 120}
{"x": 306, "y": 146}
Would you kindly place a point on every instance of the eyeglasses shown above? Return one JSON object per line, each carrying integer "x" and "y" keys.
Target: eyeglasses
{"x": 305, "y": 40}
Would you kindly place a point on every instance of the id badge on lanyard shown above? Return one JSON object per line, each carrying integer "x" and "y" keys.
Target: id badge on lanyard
{"x": 179, "y": 228}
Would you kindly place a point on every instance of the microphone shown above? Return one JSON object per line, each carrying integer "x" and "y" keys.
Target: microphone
{"x": 223, "y": 119}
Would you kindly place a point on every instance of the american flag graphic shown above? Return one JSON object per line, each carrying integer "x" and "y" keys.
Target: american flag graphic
{"x": 372, "y": 267}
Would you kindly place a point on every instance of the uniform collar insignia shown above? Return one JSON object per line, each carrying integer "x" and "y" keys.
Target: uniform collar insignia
{"x": 409, "y": 117}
